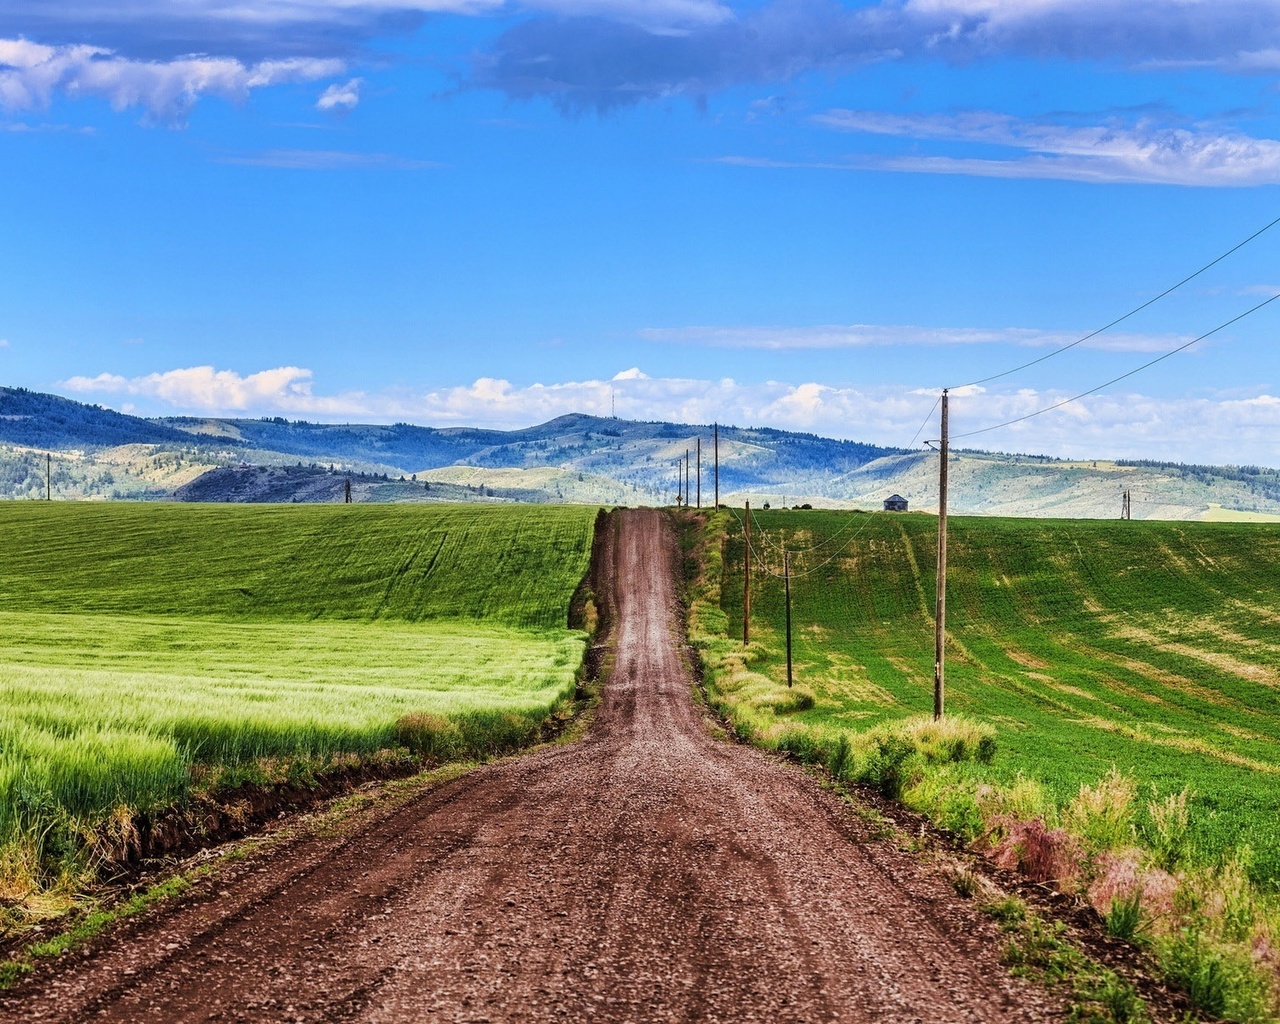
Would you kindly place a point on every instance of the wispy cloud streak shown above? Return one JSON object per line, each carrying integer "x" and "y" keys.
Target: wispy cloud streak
{"x": 869, "y": 335}
{"x": 1144, "y": 153}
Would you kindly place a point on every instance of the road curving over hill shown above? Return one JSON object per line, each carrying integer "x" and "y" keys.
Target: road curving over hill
{"x": 646, "y": 873}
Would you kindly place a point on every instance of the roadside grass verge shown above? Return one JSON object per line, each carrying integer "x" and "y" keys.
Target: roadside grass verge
{"x": 158, "y": 656}
{"x": 1113, "y": 720}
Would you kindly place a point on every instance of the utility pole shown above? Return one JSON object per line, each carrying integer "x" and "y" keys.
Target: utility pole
{"x": 940, "y": 616}
{"x": 1126, "y": 506}
{"x": 348, "y": 494}
{"x": 715, "y": 433}
{"x": 699, "y": 473}
{"x": 679, "y": 482}
{"x": 48, "y": 476}
{"x": 687, "y": 492}
{"x": 746, "y": 581}
{"x": 786, "y": 576}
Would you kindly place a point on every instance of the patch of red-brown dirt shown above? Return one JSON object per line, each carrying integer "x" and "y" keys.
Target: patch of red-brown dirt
{"x": 646, "y": 873}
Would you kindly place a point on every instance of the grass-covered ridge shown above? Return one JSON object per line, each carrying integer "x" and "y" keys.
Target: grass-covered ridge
{"x": 150, "y": 649}
{"x": 1128, "y": 673}
{"x": 1149, "y": 646}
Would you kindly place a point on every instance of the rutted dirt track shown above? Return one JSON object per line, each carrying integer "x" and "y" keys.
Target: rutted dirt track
{"x": 646, "y": 873}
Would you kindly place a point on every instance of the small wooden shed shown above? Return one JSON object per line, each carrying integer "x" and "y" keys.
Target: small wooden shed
{"x": 895, "y": 503}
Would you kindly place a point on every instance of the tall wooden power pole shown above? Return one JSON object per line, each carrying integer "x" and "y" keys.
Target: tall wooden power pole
{"x": 746, "y": 580}
{"x": 786, "y": 576}
{"x": 940, "y": 616}
{"x": 715, "y": 433}
{"x": 687, "y": 492}
{"x": 698, "y": 477}
{"x": 347, "y": 499}
{"x": 48, "y": 476}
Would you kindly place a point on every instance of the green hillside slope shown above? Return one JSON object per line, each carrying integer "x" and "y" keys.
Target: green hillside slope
{"x": 155, "y": 650}
{"x": 1151, "y": 647}
{"x": 510, "y": 565}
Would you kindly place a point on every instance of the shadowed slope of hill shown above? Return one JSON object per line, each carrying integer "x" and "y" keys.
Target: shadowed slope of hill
{"x": 35, "y": 420}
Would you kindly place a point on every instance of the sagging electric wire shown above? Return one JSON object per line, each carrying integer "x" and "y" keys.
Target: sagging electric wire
{"x": 1133, "y": 312}
{"x": 1123, "y": 376}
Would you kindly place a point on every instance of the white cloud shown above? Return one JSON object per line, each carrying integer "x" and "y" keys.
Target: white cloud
{"x": 207, "y": 390}
{"x": 341, "y": 97}
{"x": 1142, "y": 153}
{"x": 4, "y": 342}
{"x": 1228, "y": 427}
{"x": 866, "y": 335}
{"x": 31, "y": 75}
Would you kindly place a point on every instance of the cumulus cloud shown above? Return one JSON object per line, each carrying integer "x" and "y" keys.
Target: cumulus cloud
{"x": 31, "y": 74}
{"x": 1219, "y": 428}
{"x": 341, "y": 97}
{"x": 207, "y": 390}
{"x": 868, "y": 335}
{"x": 602, "y": 63}
{"x": 1141, "y": 153}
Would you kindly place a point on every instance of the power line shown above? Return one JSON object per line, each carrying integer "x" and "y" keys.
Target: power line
{"x": 1123, "y": 376}
{"x": 1132, "y": 312}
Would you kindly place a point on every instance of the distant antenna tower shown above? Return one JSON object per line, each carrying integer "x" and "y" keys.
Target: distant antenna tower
{"x": 613, "y": 403}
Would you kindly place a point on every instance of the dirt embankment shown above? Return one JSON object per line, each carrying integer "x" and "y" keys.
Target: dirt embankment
{"x": 646, "y": 873}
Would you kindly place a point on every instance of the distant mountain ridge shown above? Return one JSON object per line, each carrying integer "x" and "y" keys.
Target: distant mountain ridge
{"x": 100, "y": 453}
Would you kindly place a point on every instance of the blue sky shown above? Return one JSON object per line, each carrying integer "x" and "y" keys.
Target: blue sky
{"x": 795, "y": 213}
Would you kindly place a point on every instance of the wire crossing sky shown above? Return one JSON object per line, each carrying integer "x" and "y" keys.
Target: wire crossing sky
{"x": 805, "y": 214}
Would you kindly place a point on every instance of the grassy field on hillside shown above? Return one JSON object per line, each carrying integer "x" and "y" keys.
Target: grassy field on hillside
{"x": 1150, "y": 647}
{"x": 514, "y": 566}
{"x": 147, "y": 644}
{"x": 1113, "y": 706}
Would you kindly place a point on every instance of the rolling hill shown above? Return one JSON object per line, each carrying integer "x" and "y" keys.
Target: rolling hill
{"x": 99, "y": 453}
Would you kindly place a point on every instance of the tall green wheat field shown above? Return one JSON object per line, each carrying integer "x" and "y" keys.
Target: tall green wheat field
{"x": 149, "y": 647}
{"x": 1151, "y": 648}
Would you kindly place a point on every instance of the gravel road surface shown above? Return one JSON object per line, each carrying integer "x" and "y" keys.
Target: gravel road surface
{"x": 648, "y": 872}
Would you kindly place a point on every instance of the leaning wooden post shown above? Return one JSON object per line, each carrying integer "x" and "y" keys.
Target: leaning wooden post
{"x": 940, "y": 617}
{"x": 746, "y": 581}
{"x": 786, "y": 576}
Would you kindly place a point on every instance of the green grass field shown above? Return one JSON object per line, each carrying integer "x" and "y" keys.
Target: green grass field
{"x": 1151, "y": 647}
{"x": 144, "y": 642}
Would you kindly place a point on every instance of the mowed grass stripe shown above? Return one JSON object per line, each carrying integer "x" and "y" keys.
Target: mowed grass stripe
{"x": 1148, "y": 646}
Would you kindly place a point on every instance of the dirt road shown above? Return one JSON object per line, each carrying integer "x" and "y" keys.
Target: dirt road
{"x": 646, "y": 873}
